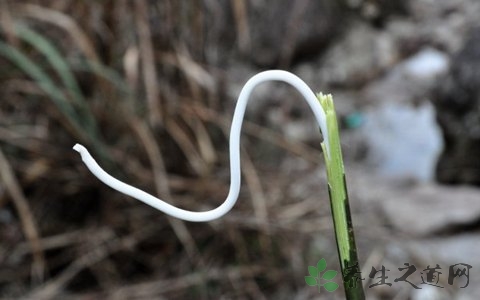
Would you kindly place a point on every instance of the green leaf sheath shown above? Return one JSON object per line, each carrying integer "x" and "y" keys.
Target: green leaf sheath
{"x": 339, "y": 202}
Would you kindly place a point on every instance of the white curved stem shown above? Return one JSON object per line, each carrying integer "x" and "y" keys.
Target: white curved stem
{"x": 235, "y": 172}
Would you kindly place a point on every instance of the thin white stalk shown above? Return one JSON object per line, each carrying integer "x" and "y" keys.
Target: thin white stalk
{"x": 235, "y": 172}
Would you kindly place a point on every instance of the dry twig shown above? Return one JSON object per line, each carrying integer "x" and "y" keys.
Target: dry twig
{"x": 27, "y": 219}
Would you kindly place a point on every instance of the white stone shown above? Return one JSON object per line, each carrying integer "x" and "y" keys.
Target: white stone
{"x": 403, "y": 141}
{"x": 427, "y": 64}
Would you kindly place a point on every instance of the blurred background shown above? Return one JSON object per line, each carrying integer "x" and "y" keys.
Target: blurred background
{"x": 149, "y": 87}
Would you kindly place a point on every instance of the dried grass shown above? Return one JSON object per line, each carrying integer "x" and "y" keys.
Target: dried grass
{"x": 134, "y": 75}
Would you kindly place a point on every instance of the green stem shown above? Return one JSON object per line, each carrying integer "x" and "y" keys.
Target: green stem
{"x": 342, "y": 220}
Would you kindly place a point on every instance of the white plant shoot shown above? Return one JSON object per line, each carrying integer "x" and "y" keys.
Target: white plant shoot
{"x": 235, "y": 171}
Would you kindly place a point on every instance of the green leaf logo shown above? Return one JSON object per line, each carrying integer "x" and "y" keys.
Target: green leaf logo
{"x": 313, "y": 271}
{"x": 316, "y": 275}
{"x": 330, "y": 286}
{"x": 329, "y": 275}
{"x": 321, "y": 265}
{"x": 311, "y": 281}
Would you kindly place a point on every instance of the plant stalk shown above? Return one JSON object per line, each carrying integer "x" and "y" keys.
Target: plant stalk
{"x": 337, "y": 189}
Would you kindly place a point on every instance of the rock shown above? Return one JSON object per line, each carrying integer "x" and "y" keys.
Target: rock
{"x": 358, "y": 57}
{"x": 378, "y": 11}
{"x": 410, "y": 81}
{"x": 446, "y": 23}
{"x": 459, "y": 249}
{"x": 429, "y": 293}
{"x": 398, "y": 105}
{"x": 458, "y": 105}
{"x": 430, "y": 208}
{"x": 403, "y": 141}
{"x": 426, "y": 65}
{"x": 416, "y": 210}
{"x": 283, "y": 31}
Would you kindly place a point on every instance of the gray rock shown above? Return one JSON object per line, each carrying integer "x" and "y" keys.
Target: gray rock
{"x": 458, "y": 106}
{"x": 403, "y": 142}
{"x": 358, "y": 57}
{"x": 411, "y": 81}
{"x": 400, "y": 128}
{"x": 459, "y": 249}
{"x": 283, "y": 31}
{"x": 415, "y": 210}
{"x": 445, "y": 23}
{"x": 429, "y": 208}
